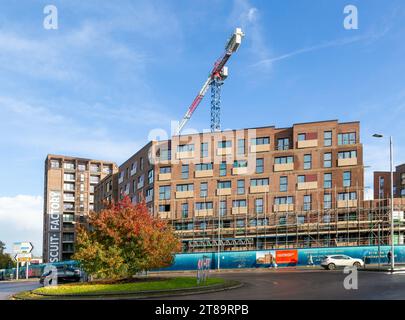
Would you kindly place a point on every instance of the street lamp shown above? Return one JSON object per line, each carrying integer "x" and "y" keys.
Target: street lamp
{"x": 392, "y": 198}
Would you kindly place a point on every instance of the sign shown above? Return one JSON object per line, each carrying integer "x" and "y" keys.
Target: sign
{"x": 23, "y": 257}
{"x": 22, "y": 247}
{"x": 54, "y": 226}
{"x": 203, "y": 267}
{"x": 289, "y": 257}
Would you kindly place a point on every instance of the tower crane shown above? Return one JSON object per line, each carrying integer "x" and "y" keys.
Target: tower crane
{"x": 215, "y": 80}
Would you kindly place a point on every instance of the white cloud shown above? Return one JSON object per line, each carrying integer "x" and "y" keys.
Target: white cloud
{"x": 21, "y": 220}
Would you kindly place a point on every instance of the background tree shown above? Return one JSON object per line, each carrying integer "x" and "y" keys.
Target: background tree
{"x": 124, "y": 239}
{"x": 5, "y": 259}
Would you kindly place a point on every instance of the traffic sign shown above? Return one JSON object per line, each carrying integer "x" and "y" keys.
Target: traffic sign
{"x": 22, "y": 247}
{"x": 23, "y": 257}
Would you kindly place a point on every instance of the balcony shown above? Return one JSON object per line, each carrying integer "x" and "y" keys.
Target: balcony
{"x": 165, "y": 214}
{"x": 203, "y": 173}
{"x": 224, "y": 151}
{"x": 184, "y": 194}
{"x": 184, "y": 155}
{"x": 347, "y": 162}
{"x": 239, "y": 171}
{"x": 307, "y": 185}
{"x": 283, "y": 207}
{"x": 224, "y": 192}
{"x": 259, "y": 189}
{"x": 165, "y": 176}
{"x": 239, "y": 210}
{"x": 284, "y": 167}
{"x": 307, "y": 144}
{"x": 204, "y": 213}
{"x": 260, "y": 148}
{"x": 346, "y": 204}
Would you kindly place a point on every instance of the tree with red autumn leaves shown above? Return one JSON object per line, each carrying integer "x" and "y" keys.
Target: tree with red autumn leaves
{"x": 124, "y": 239}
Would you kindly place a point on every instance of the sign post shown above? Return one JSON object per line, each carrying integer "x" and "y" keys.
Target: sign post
{"x": 23, "y": 254}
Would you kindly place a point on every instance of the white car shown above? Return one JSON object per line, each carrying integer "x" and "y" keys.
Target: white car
{"x": 334, "y": 261}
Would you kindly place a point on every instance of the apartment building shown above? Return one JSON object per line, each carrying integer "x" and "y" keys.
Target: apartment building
{"x": 237, "y": 185}
{"x": 69, "y": 193}
{"x": 382, "y": 183}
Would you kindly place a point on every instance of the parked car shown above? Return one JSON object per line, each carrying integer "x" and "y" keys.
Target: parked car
{"x": 65, "y": 274}
{"x": 335, "y": 261}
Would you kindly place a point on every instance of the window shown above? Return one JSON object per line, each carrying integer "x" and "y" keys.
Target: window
{"x": 184, "y": 210}
{"x": 259, "y": 166}
{"x": 224, "y": 184}
{"x": 164, "y": 208}
{"x": 184, "y": 171}
{"x": 150, "y": 176}
{"x": 240, "y": 223}
{"x": 283, "y": 184}
{"x": 222, "y": 208}
{"x": 184, "y": 187}
{"x": 381, "y": 188}
{"x": 204, "y": 150}
{"x": 69, "y": 177}
{"x": 134, "y": 167}
{"x": 327, "y": 201}
{"x": 347, "y": 178}
{"x": 203, "y": 189}
{"x": 141, "y": 164}
{"x": 203, "y": 205}
{"x": 260, "y": 141}
{"x": 283, "y": 144}
{"x": 164, "y": 170}
{"x": 239, "y": 203}
{"x": 69, "y": 186}
{"x": 94, "y": 179}
{"x": 259, "y": 182}
{"x": 347, "y": 154}
{"x": 327, "y": 160}
{"x": 327, "y": 180}
{"x": 300, "y": 179}
{"x": 259, "y": 206}
{"x": 327, "y": 138}
{"x": 185, "y": 148}
{"x": 141, "y": 180}
{"x": 149, "y": 194}
{"x": 283, "y": 200}
{"x": 225, "y": 144}
{"x": 241, "y": 187}
{"x": 346, "y": 138}
{"x": 164, "y": 154}
{"x": 307, "y": 202}
{"x": 347, "y": 196}
{"x": 307, "y": 161}
{"x": 240, "y": 164}
{"x": 69, "y": 166}
{"x": 301, "y": 137}
{"x": 300, "y": 219}
{"x": 164, "y": 192}
{"x": 94, "y": 168}
{"x": 203, "y": 166}
{"x": 284, "y": 160}
{"x": 222, "y": 168}
{"x": 55, "y": 164}
{"x": 241, "y": 146}
{"x": 282, "y": 220}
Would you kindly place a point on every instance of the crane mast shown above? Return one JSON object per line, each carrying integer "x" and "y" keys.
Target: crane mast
{"x": 215, "y": 80}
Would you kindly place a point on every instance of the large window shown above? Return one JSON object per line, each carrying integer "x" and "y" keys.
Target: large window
{"x": 283, "y": 184}
{"x": 225, "y": 144}
{"x": 307, "y": 202}
{"x": 259, "y": 165}
{"x": 283, "y": 200}
{"x": 164, "y": 193}
{"x": 224, "y": 184}
{"x": 347, "y": 196}
{"x": 239, "y": 203}
{"x": 347, "y": 154}
{"x": 150, "y": 176}
{"x": 259, "y": 206}
{"x": 327, "y": 201}
{"x": 327, "y": 180}
{"x": 241, "y": 187}
{"x": 184, "y": 210}
{"x": 347, "y": 138}
{"x": 185, "y": 148}
{"x": 327, "y": 138}
{"x": 184, "y": 187}
{"x": 203, "y": 166}
{"x": 203, "y": 205}
{"x": 347, "y": 179}
{"x": 327, "y": 160}
{"x": 184, "y": 171}
{"x": 165, "y": 170}
{"x": 283, "y": 144}
{"x": 259, "y": 182}
{"x": 260, "y": 141}
{"x": 307, "y": 161}
{"x": 222, "y": 208}
{"x": 301, "y": 137}
{"x": 284, "y": 160}
{"x": 240, "y": 164}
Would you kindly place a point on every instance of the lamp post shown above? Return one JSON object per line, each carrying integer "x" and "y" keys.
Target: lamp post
{"x": 392, "y": 198}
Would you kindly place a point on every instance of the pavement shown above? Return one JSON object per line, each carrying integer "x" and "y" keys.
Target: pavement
{"x": 310, "y": 284}
{"x": 8, "y": 288}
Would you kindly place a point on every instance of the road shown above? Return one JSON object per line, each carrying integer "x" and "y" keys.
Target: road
{"x": 8, "y": 288}
{"x": 308, "y": 284}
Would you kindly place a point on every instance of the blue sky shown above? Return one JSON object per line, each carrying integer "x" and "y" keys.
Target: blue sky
{"x": 113, "y": 71}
